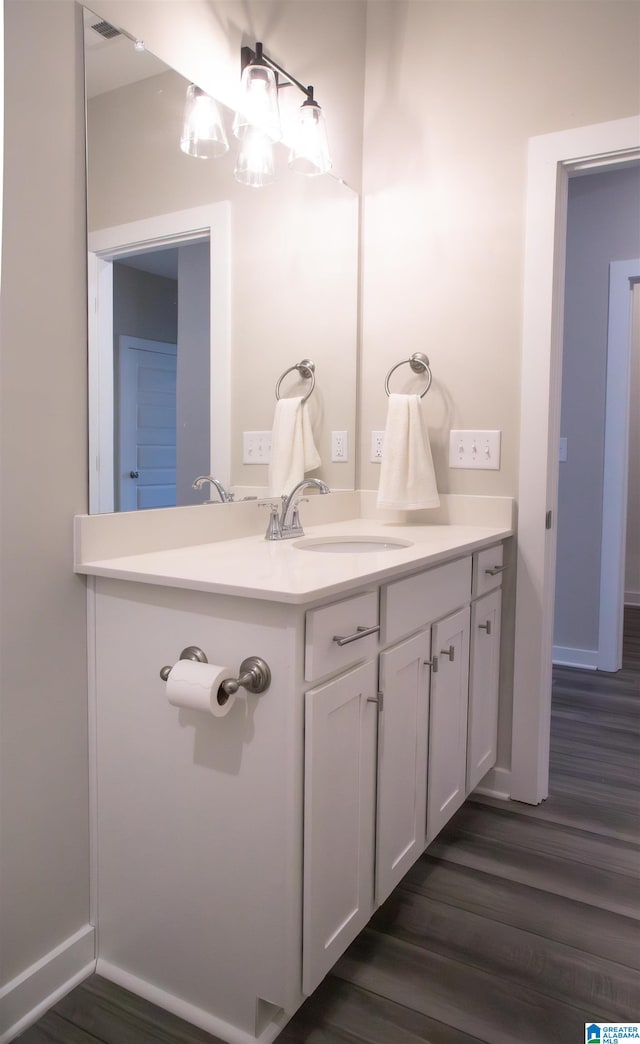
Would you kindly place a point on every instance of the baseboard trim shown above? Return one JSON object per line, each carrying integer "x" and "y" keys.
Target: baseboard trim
{"x": 585, "y": 659}
{"x": 189, "y": 1012}
{"x": 38, "y": 988}
{"x": 632, "y": 598}
{"x": 496, "y": 784}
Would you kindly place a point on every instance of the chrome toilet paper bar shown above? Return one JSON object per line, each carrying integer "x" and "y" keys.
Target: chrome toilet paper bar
{"x": 254, "y": 676}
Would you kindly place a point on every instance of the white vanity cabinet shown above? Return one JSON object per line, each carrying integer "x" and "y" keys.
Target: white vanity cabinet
{"x": 237, "y": 857}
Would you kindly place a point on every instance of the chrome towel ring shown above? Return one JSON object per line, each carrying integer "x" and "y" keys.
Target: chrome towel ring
{"x": 419, "y": 364}
{"x": 306, "y": 369}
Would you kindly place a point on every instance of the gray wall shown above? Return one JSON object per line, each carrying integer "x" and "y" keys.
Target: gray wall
{"x": 603, "y": 226}
{"x": 43, "y": 756}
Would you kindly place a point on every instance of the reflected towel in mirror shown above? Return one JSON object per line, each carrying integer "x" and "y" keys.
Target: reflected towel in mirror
{"x": 293, "y": 450}
{"x": 407, "y": 476}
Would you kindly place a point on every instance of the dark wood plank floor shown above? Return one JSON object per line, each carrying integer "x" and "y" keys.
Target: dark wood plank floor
{"x": 518, "y": 925}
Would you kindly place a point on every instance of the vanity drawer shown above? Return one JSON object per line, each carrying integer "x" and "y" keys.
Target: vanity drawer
{"x": 411, "y": 603}
{"x": 323, "y": 655}
{"x": 487, "y": 570}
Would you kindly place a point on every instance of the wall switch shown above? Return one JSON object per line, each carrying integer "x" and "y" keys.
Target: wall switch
{"x": 339, "y": 446}
{"x": 377, "y": 444}
{"x": 562, "y": 456}
{"x": 475, "y": 449}
{"x": 256, "y": 447}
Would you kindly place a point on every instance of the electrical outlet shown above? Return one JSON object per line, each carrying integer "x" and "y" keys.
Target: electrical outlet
{"x": 475, "y": 449}
{"x": 339, "y": 446}
{"x": 377, "y": 445}
{"x": 256, "y": 447}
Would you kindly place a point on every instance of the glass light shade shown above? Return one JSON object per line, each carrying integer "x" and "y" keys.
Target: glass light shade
{"x": 203, "y": 133}
{"x": 255, "y": 164}
{"x": 258, "y": 108}
{"x": 310, "y": 150}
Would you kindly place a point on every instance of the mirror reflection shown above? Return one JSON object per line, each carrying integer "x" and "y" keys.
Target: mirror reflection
{"x": 205, "y": 296}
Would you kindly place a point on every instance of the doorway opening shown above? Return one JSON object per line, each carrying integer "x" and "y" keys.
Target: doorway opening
{"x": 553, "y": 158}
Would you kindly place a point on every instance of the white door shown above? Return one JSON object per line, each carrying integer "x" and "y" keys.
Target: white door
{"x": 146, "y": 424}
{"x": 403, "y": 738}
{"x": 339, "y": 817}
{"x": 447, "y": 776}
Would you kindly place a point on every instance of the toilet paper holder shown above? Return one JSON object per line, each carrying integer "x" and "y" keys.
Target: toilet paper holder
{"x": 254, "y": 676}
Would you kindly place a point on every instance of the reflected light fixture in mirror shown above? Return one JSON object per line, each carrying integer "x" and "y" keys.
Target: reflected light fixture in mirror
{"x": 203, "y": 133}
{"x": 255, "y": 163}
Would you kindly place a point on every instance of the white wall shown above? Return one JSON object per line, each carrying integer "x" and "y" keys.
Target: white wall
{"x": 632, "y": 572}
{"x": 44, "y": 781}
{"x": 453, "y": 92}
{"x": 602, "y": 226}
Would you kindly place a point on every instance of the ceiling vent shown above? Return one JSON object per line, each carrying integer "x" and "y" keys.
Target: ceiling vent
{"x": 105, "y": 30}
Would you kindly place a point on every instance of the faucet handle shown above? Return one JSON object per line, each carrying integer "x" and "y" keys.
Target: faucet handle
{"x": 274, "y": 531}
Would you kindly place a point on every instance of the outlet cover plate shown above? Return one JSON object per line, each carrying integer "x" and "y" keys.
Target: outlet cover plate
{"x": 377, "y": 445}
{"x": 339, "y": 447}
{"x": 475, "y": 449}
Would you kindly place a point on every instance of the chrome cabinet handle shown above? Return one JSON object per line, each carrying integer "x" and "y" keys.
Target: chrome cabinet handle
{"x": 450, "y": 652}
{"x": 134, "y": 474}
{"x": 495, "y": 570}
{"x": 361, "y": 632}
{"x": 486, "y": 626}
{"x": 432, "y": 663}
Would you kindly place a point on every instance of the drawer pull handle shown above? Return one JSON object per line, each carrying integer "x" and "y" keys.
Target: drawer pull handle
{"x": 486, "y": 626}
{"x": 450, "y": 652}
{"x": 495, "y": 570}
{"x": 361, "y": 632}
{"x": 432, "y": 663}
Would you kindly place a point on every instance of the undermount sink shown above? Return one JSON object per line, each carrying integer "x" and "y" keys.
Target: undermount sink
{"x": 351, "y": 545}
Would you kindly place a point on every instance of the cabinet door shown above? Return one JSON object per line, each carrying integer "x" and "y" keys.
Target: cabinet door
{"x": 403, "y": 737}
{"x": 483, "y": 687}
{"x": 446, "y": 787}
{"x": 339, "y": 817}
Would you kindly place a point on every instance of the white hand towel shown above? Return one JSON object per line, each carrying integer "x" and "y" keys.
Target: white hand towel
{"x": 293, "y": 451}
{"x": 407, "y": 477}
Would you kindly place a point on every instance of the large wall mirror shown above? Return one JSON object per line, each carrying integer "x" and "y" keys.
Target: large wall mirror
{"x": 203, "y": 292}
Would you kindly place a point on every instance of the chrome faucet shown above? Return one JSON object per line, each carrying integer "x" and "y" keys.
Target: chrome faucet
{"x": 288, "y": 524}
{"x": 225, "y": 498}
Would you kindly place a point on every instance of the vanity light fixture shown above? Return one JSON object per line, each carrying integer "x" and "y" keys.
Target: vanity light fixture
{"x": 258, "y": 111}
{"x": 255, "y": 165}
{"x": 203, "y": 133}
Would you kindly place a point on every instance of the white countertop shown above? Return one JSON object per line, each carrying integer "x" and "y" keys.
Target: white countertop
{"x": 252, "y": 567}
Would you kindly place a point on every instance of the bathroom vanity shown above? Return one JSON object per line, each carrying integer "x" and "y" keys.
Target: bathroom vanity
{"x": 237, "y": 857}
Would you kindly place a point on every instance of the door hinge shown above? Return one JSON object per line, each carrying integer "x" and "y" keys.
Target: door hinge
{"x": 548, "y": 518}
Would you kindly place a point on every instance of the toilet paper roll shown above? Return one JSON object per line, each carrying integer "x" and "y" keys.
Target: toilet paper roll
{"x": 197, "y": 686}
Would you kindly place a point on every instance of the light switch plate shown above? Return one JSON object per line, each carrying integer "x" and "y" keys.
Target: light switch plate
{"x": 256, "y": 447}
{"x": 475, "y": 449}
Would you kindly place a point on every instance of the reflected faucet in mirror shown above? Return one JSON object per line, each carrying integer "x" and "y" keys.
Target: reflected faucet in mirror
{"x": 287, "y": 524}
{"x": 225, "y": 496}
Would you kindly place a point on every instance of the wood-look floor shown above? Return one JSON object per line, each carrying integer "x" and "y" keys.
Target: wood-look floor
{"x": 518, "y": 925}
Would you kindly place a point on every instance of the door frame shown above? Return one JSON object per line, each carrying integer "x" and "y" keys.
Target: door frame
{"x": 552, "y": 160}
{"x": 111, "y": 244}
